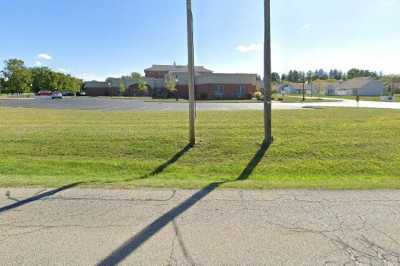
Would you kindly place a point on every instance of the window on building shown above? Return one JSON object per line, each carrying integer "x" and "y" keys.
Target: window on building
{"x": 240, "y": 91}
{"x": 219, "y": 91}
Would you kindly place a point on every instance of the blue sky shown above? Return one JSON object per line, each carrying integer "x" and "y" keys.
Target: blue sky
{"x": 94, "y": 39}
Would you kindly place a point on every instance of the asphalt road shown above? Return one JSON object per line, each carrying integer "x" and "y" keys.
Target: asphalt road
{"x": 108, "y": 104}
{"x": 73, "y": 226}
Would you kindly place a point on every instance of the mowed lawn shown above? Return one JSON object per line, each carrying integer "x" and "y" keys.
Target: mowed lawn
{"x": 330, "y": 148}
{"x": 363, "y": 98}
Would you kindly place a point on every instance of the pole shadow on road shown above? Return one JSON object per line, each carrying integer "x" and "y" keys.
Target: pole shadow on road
{"x": 127, "y": 248}
{"x": 37, "y": 197}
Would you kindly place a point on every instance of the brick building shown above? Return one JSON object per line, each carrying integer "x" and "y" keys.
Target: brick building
{"x": 98, "y": 88}
{"x": 208, "y": 85}
{"x": 160, "y": 71}
{"x": 219, "y": 86}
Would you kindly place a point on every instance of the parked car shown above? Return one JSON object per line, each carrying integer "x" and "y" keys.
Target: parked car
{"x": 81, "y": 93}
{"x": 68, "y": 93}
{"x": 44, "y": 93}
{"x": 56, "y": 95}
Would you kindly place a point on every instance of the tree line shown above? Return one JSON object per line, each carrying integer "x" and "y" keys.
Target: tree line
{"x": 17, "y": 78}
{"x": 321, "y": 74}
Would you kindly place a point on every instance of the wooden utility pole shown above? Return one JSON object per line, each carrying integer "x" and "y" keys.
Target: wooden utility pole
{"x": 267, "y": 73}
{"x": 192, "y": 105}
{"x": 304, "y": 87}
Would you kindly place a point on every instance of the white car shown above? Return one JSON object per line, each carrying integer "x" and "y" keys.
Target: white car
{"x": 56, "y": 95}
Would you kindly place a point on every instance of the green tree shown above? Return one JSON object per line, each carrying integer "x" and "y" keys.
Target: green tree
{"x": 356, "y": 73}
{"x": 141, "y": 81}
{"x": 55, "y": 82}
{"x": 170, "y": 85}
{"x": 310, "y": 77}
{"x": 290, "y": 76}
{"x": 2, "y": 87}
{"x": 16, "y": 77}
{"x": 136, "y": 76}
{"x": 41, "y": 78}
{"x": 275, "y": 77}
{"x": 293, "y": 76}
{"x": 122, "y": 86}
{"x": 76, "y": 84}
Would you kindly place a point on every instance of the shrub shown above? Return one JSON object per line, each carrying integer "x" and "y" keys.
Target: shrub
{"x": 258, "y": 95}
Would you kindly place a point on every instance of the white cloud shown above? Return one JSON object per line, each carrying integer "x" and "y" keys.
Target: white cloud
{"x": 62, "y": 70}
{"x": 44, "y": 56}
{"x": 254, "y": 47}
{"x": 38, "y": 64}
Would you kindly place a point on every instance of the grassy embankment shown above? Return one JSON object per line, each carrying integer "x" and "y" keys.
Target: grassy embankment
{"x": 330, "y": 148}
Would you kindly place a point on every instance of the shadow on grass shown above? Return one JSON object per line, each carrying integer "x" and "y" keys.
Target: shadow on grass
{"x": 120, "y": 254}
{"x": 171, "y": 161}
{"x": 253, "y": 162}
{"x": 37, "y": 197}
{"x": 162, "y": 167}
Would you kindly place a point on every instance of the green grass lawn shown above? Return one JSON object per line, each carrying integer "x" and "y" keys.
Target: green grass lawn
{"x": 330, "y": 148}
{"x": 363, "y": 98}
{"x": 275, "y": 97}
{"x": 298, "y": 99}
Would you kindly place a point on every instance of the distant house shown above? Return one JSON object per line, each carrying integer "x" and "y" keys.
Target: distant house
{"x": 330, "y": 90}
{"x": 98, "y": 88}
{"x": 359, "y": 86}
{"x": 297, "y": 88}
{"x": 286, "y": 89}
{"x": 396, "y": 87}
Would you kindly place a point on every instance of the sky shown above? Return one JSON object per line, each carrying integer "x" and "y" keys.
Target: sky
{"x": 95, "y": 39}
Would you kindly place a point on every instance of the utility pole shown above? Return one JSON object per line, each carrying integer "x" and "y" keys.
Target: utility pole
{"x": 267, "y": 73}
{"x": 304, "y": 87}
{"x": 192, "y": 105}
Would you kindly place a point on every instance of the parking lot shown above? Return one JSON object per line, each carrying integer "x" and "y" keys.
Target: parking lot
{"x": 136, "y": 104}
{"x": 116, "y": 104}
